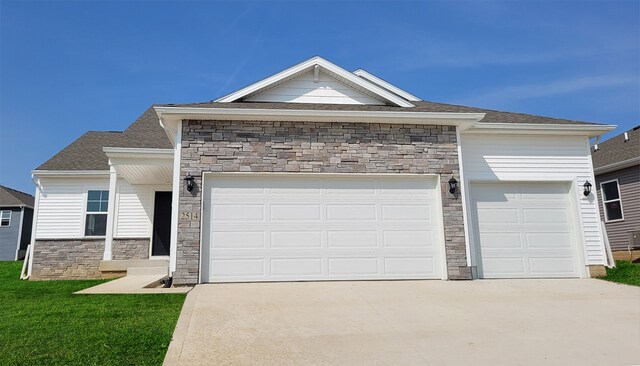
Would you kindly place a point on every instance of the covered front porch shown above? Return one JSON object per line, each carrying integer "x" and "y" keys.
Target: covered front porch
{"x": 139, "y": 220}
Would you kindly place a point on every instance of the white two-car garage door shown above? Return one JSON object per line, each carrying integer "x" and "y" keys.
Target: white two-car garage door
{"x": 525, "y": 230}
{"x": 320, "y": 227}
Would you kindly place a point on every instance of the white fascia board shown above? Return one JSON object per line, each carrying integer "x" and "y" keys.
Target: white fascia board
{"x": 541, "y": 129}
{"x": 140, "y": 153}
{"x": 617, "y": 166}
{"x": 70, "y": 173}
{"x": 175, "y": 114}
{"x": 384, "y": 84}
{"x": 309, "y": 65}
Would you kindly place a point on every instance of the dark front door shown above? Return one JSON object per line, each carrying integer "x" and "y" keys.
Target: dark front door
{"x": 161, "y": 224}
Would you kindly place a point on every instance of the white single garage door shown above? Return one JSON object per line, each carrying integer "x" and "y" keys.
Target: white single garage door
{"x": 525, "y": 230}
{"x": 300, "y": 227}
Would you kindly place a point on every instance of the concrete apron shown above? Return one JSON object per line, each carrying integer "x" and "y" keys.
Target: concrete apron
{"x": 498, "y": 322}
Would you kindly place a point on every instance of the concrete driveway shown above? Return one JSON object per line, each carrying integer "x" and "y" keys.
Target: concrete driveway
{"x": 499, "y": 322}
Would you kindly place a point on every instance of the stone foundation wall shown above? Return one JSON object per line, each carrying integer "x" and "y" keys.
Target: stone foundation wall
{"x": 67, "y": 259}
{"x": 123, "y": 249}
{"x": 332, "y": 147}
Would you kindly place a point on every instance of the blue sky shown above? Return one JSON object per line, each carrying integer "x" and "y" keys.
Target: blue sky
{"x": 69, "y": 67}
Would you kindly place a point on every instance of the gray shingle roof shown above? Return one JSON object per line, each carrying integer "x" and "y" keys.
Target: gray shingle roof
{"x": 616, "y": 149}
{"x": 421, "y": 106}
{"x": 86, "y": 153}
{"x": 9, "y": 197}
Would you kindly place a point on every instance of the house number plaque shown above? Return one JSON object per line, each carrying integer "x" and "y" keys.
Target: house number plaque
{"x": 189, "y": 215}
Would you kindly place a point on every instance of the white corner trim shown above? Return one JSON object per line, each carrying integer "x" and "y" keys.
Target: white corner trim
{"x": 111, "y": 212}
{"x": 617, "y": 165}
{"x": 175, "y": 200}
{"x": 535, "y": 128}
{"x": 308, "y": 66}
{"x": 70, "y": 173}
{"x": 380, "y": 82}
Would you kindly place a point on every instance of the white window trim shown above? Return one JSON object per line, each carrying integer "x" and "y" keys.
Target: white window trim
{"x": 604, "y": 201}
{"x": 10, "y": 215}
{"x": 87, "y": 212}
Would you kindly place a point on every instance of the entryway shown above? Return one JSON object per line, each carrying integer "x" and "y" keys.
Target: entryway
{"x": 161, "y": 239}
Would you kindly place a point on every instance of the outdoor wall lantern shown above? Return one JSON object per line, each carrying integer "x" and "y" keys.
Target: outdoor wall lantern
{"x": 189, "y": 180}
{"x": 587, "y": 188}
{"x": 453, "y": 185}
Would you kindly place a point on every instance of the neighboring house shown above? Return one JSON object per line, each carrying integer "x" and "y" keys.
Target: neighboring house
{"x": 616, "y": 163}
{"x": 16, "y": 218}
{"x": 318, "y": 173}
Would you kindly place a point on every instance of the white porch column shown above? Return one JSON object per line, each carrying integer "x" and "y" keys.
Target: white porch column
{"x": 111, "y": 213}
{"x": 175, "y": 200}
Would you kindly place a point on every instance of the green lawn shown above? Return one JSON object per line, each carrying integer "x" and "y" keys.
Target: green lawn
{"x": 625, "y": 272}
{"x": 43, "y": 323}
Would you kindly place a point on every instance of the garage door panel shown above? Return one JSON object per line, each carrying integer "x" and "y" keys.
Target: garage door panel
{"x": 497, "y": 215}
{"x": 238, "y": 267}
{"x": 424, "y": 239}
{"x": 238, "y": 240}
{"x": 320, "y": 227}
{"x": 300, "y": 212}
{"x": 351, "y": 212}
{"x": 304, "y": 267}
{"x": 352, "y": 239}
{"x": 410, "y": 266}
{"x": 545, "y": 215}
{"x": 549, "y": 240}
{"x": 354, "y": 266}
{"x": 501, "y": 240}
{"x": 526, "y": 232}
{"x": 237, "y": 213}
{"x": 552, "y": 265}
{"x": 406, "y": 212}
{"x": 295, "y": 239}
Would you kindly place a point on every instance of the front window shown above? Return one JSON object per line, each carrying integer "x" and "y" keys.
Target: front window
{"x": 96, "y": 220}
{"x": 612, "y": 201}
{"x": 5, "y": 218}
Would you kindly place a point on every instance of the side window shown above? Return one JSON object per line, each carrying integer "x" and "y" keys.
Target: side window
{"x": 611, "y": 201}
{"x": 96, "y": 220}
{"x": 5, "y": 218}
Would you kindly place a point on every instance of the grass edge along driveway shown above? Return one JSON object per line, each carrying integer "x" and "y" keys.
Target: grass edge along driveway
{"x": 625, "y": 272}
{"x": 43, "y": 323}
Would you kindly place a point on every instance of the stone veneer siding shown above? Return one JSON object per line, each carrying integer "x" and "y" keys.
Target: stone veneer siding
{"x": 77, "y": 259}
{"x": 331, "y": 147}
{"x": 67, "y": 259}
{"x": 123, "y": 249}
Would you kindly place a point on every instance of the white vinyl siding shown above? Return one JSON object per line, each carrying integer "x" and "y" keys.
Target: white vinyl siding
{"x": 134, "y": 210}
{"x": 61, "y": 206}
{"x": 288, "y": 228}
{"x": 304, "y": 90}
{"x": 542, "y": 158}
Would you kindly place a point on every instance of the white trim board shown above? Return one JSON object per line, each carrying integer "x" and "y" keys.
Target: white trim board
{"x": 380, "y": 82}
{"x": 326, "y": 66}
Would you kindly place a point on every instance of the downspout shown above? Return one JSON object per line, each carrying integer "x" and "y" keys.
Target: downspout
{"x": 20, "y": 228}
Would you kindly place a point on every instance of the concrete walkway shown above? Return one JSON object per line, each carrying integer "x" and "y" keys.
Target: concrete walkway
{"x": 133, "y": 284}
{"x": 500, "y": 322}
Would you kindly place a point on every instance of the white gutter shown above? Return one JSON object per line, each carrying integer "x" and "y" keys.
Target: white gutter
{"x": 69, "y": 173}
{"x": 132, "y": 152}
{"x": 535, "y": 128}
{"x": 175, "y": 114}
{"x": 617, "y": 166}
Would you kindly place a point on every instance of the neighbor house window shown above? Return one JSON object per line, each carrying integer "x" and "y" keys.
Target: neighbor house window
{"x": 5, "y": 218}
{"x": 611, "y": 201}
{"x": 96, "y": 220}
